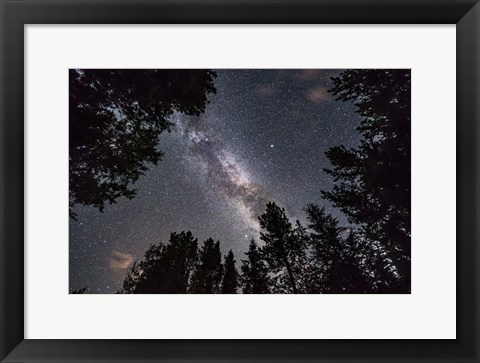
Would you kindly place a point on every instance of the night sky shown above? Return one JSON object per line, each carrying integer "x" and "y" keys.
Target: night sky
{"x": 262, "y": 138}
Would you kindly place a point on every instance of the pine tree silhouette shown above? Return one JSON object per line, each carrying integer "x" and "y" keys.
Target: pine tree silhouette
{"x": 230, "y": 277}
{"x": 166, "y": 269}
{"x": 372, "y": 181}
{"x": 254, "y": 273}
{"x": 337, "y": 262}
{"x": 208, "y": 273}
{"x": 280, "y": 248}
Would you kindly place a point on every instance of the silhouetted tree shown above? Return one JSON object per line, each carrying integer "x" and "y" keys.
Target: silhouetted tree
{"x": 133, "y": 278}
{"x": 80, "y": 291}
{"x": 166, "y": 269}
{"x": 354, "y": 265}
{"x": 139, "y": 271}
{"x": 281, "y": 249}
{"x": 336, "y": 262}
{"x": 300, "y": 238}
{"x": 170, "y": 274}
{"x": 230, "y": 277}
{"x": 116, "y": 117}
{"x": 254, "y": 277}
{"x": 372, "y": 181}
{"x": 208, "y": 273}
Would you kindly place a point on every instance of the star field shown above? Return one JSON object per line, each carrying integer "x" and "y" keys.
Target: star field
{"x": 262, "y": 138}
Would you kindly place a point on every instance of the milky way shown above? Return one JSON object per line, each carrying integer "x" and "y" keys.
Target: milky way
{"x": 262, "y": 138}
{"x": 224, "y": 171}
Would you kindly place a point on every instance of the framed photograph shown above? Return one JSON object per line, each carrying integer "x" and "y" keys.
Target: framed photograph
{"x": 239, "y": 181}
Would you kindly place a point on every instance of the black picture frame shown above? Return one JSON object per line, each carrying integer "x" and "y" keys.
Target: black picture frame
{"x": 16, "y": 13}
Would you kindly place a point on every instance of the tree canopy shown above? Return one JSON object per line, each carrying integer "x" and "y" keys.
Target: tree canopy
{"x": 115, "y": 119}
{"x": 372, "y": 181}
{"x": 166, "y": 269}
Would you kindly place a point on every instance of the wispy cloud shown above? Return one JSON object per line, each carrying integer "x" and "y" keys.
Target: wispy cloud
{"x": 319, "y": 95}
{"x": 120, "y": 261}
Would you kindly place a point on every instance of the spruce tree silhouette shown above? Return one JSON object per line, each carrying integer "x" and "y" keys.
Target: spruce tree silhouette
{"x": 254, "y": 276}
{"x": 299, "y": 257}
{"x": 354, "y": 266}
{"x": 337, "y": 263}
{"x": 230, "y": 277}
{"x": 208, "y": 273}
{"x": 280, "y": 248}
{"x": 133, "y": 278}
{"x": 167, "y": 269}
{"x": 140, "y": 271}
{"x": 80, "y": 291}
{"x": 372, "y": 181}
{"x": 115, "y": 119}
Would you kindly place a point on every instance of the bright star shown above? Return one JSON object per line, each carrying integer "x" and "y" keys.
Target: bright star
{"x": 271, "y": 145}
